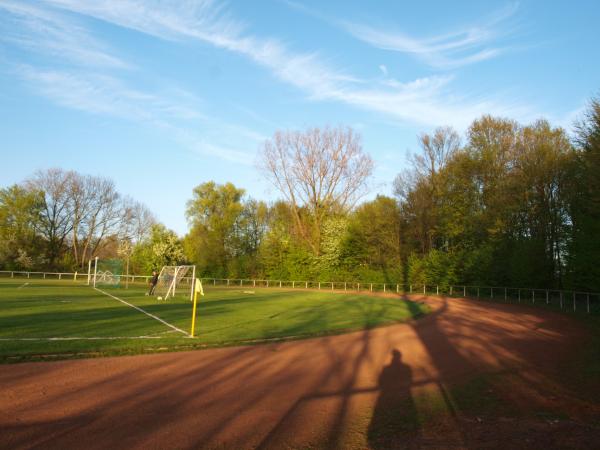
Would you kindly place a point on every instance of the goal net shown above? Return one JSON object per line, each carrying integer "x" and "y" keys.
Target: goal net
{"x": 107, "y": 272}
{"x": 176, "y": 281}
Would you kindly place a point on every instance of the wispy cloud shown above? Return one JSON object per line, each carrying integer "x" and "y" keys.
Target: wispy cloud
{"x": 464, "y": 46}
{"x": 42, "y": 31}
{"x": 208, "y": 22}
{"x": 423, "y": 101}
{"x": 83, "y": 73}
{"x": 106, "y": 95}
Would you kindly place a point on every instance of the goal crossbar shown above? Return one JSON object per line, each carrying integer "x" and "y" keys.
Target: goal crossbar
{"x": 172, "y": 277}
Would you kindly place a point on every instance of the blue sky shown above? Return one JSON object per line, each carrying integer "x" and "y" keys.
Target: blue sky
{"x": 162, "y": 96}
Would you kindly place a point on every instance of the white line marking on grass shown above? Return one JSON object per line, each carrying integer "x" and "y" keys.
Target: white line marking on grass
{"x": 23, "y": 285}
{"x": 145, "y": 312}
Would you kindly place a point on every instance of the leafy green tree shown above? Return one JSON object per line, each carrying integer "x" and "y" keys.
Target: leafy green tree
{"x": 162, "y": 248}
{"x": 281, "y": 254}
{"x": 216, "y": 216}
{"x": 584, "y": 248}
{"x": 374, "y": 241}
{"x": 20, "y": 219}
{"x": 497, "y": 209}
{"x": 329, "y": 264}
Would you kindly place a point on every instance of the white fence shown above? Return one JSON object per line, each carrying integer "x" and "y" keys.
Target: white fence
{"x": 75, "y": 276}
{"x": 564, "y": 299}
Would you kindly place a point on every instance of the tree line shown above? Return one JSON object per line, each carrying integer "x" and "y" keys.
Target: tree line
{"x": 507, "y": 205}
{"x": 512, "y": 205}
{"x": 58, "y": 220}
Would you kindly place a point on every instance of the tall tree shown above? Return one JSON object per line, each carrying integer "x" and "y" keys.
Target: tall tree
{"x": 215, "y": 213}
{"x": 419, "y": 188}
{"x": 161, "y": 248}
{"x": 56, "y": 215}
{"x": 585, "y": 205}
{"x": 374, "y": 240}
{"x": 319, "y": 172}
{"x": 20, "y": 211}
{"x": 97, "y": 213}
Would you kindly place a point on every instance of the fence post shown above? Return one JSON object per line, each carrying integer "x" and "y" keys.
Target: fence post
{"x": 332, "y": 285}
{"x": 345, "y": 286}
{"x": 411, "y": 288}
{"x": 450, "y": 291}
{"x": 44, "y": 275}
{"x": 397, "y": 289}
{"x": 477, "y": 292}
{"x": 60, "y": 276}
{"x": 214, "y": 281}
{"x": 437, "y": 290}
{"x": 306, "y": 284}
{"x": 293, "y": 284}
{"x": 492, "y": 293}
{"x": 519, "y": 295}
{"x": 505, "y": 295}
{"x": 383, "y": 287}
{"x": 279, "y": 283}
{"x": 547, "y": 296}
{"x": 574, "y": 306}
{"x": 561, "y": 303}
{"x": 12, "y": 275}
{"x": 358, "y": 288}
{"x": 253, "y": 283}
{"x": 424, "y": 288}
{"x": 371, "y": 287}
{"x": 464, "y": 291}
{"x": 267, "y": 283}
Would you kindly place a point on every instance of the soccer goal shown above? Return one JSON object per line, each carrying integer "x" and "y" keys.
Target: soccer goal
{"x": 107, "y": 272}
{"x": 176, "y": 280}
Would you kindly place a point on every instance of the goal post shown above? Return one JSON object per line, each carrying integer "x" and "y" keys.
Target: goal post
{"x": 176, "y": 280}
{"x": 107, "y": 272}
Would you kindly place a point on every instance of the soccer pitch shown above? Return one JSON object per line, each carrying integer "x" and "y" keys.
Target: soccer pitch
{"x": 56, "y": 319}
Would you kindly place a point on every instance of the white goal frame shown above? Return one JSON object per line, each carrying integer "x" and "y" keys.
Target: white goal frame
{"x": 172, "y": 288}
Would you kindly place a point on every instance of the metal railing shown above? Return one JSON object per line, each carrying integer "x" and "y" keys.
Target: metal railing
{"x": 564, "y": 299}
{"x": 75, "y": 276}
{"x": 588, "y": 302}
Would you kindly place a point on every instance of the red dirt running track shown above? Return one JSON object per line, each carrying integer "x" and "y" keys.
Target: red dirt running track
{"x": 321, "y": 392}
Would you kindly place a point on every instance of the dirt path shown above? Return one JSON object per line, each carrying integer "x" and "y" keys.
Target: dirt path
{"x": 332, "y": 392}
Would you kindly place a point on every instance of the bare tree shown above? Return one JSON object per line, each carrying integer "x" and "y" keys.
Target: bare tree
{"x": 418, "y": 188}
{"x": 56, "y": 216}
{"x": 136, "y": 221}
{"x": 84, "y": 212}
{"x": 104, "y": 215}
{"x": 436, "y": 151}
{"x": 319, "y": 172}
{"x": 81, "y": 204}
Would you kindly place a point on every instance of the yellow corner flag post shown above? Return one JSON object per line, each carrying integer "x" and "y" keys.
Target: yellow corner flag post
{"x": 197, "y": 289}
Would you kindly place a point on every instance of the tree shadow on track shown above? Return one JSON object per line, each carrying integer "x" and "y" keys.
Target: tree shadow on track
{"x": 304, "y": 394}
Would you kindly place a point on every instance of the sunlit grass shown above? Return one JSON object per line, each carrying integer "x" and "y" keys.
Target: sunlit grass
{"x": 46, "y": 309}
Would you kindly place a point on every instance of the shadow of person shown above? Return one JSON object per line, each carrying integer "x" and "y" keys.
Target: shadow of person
{"x": 395, "y": 422}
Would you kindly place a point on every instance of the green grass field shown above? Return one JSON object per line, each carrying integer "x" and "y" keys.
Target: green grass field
{"x": 42, "y": 319}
